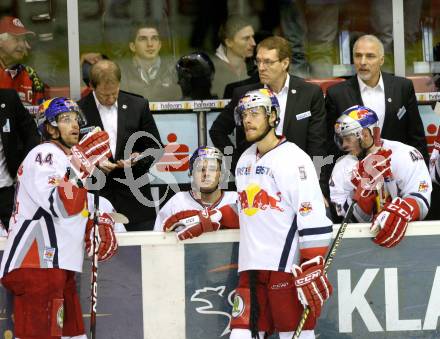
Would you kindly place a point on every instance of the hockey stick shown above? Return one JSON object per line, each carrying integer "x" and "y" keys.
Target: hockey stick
{"x": 94, "y": 279}
{"x": 328, "y": 261}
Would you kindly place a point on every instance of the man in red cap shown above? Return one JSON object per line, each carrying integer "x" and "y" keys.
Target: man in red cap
{"x": 13, "y": 49}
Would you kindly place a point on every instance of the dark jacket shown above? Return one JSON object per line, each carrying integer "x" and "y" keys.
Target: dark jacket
{"x": 133, "y": 116}
{"x": 18, "y": 131}
{"x": 308, "y": 131}
{"x": 400, "y": 97}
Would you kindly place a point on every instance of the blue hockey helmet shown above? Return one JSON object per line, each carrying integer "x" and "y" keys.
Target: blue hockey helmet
{"x": 49, "y": 110}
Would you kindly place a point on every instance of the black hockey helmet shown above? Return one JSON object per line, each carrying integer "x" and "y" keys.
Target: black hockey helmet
{"x": 195, "y": 65}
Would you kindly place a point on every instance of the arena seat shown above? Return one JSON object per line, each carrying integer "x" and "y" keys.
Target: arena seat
{"x": 58, "y": 91}
{"x": 325, "y": 83}
{"x": 423, "y": 83}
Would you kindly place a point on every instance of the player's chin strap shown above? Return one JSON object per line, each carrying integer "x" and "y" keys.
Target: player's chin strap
{"x": 364, "y": 150}
{"x": 376, "y": 142}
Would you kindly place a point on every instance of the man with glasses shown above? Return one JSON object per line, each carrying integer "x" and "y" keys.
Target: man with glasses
{"x": 302, "y": 115}
{"x": 14, "y": 47}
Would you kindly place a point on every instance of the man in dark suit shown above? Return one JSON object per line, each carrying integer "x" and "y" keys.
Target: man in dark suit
{"x": 392, "y": 97}
{"x": 302, "y": 119}
{"x": 122, "y": 114}
{"x": 18, "y": 135}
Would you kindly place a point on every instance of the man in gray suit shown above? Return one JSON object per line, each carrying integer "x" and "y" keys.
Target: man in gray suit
{"x": 302, "y": 118}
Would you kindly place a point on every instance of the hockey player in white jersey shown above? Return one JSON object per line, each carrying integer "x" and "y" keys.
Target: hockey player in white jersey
{"x": 49, "y": 226}
{"x": 388, "y": 179}
{"x": 187, "y": 212}
{"x": 434, "y": 162}
{"x": 283, "y": 229}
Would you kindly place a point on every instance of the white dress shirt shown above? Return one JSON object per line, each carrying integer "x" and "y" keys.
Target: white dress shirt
{"x": 109, "y": 118}
{"x": 5, "y": 178}
{"x": 374, "y": 98}
{"x": 282, "y": 100}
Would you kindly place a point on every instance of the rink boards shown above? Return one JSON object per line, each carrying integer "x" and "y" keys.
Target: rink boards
{"x": 159, "y": 288}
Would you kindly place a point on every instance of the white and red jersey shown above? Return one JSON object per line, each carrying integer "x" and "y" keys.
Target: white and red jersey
{"x": 410, "y": 178}
{"x": 42, "y": 235}
{"x": 183, "y": 201}
{"x": 281, "y": 209}
{"x": 434, "y": 166}
{"x": 26, "y": 82}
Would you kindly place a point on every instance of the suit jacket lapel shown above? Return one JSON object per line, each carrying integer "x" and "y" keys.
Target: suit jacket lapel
{"x": 123, "y": 108}
{"x": 354, "y": 90}
{"x": 289, "y": 114}
{"x": 93, "y": 117}
{"x": 388, "y": 89}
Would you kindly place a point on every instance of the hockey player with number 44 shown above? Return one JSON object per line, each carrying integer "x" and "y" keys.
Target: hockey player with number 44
{"x": 388, "y": 179}
{"x": 205, "y": 208}
{"x": 50, "y": 225}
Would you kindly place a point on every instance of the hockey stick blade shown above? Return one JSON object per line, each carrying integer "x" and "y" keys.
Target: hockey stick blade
{"x": 328, "y": 261}
{"x": 119, "y": 218}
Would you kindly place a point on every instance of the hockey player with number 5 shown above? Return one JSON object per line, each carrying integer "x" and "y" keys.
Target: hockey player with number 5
{"x": 50, "y": 226}
{"x": 283, "y": 229}
{"x": 388, "y": 179}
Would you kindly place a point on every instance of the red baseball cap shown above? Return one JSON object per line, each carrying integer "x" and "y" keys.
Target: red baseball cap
{"x": 11, "y": 25}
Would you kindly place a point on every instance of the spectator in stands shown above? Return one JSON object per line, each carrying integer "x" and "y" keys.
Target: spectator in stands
{"x": 302, "y": 114}
{"x": 121, "y": 114}
{"x": 86, "y": 61}
{"x": 18, "y": 135}
{"x": 237, "y": 45}
{"x": 147, "y": 73}
{"x": 391, "y": 97}
{"x": 14, "y": 47}
{"x": 311, "y": 27}
{"x": 383, "y": 28}
{"x": 195, "y": 72}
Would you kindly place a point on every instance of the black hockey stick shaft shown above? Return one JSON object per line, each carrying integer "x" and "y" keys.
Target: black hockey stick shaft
{"x": 328, "y": 261}
{"x": 94, "y": 279}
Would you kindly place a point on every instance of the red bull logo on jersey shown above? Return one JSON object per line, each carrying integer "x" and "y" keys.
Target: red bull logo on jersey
{"x": 305, "y": 208}
{"x": 254, "y": 198}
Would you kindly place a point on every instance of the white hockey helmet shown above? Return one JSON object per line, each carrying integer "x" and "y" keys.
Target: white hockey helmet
{"x": 262, "y": 97}
{"x": 353, "y": 120}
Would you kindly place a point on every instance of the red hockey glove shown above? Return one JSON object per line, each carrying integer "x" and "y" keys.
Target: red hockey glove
{"x": 391, "y": 223}
{"x": 372, "y": 170}
{"x": 312, "y": 284}
{"x": 365, "y": 199}
{"x": 73, "y": 197}
{"x": 93, "y": 148}
{"x": 193, "y": 223}
{"x": 106, "y": 239}
{"x": 178, "y": 219}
